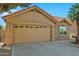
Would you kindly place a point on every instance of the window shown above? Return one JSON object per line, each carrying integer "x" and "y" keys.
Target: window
{"x": 36, "y": 27}
{"x": 21, "y": 26}
{"x": 31, "y": 27}
{"x": 27, "y": 26}
{"x": 40, "y": 26}
{"x": 62, "y": 30}
{"x": 45, "y": 27}
{"x": 16, "y": 26}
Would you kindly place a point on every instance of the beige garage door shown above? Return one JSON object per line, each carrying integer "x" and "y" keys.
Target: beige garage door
{"x": 31, "y": 33}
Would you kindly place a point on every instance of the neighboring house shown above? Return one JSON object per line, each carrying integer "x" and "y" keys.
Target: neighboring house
{"x": 35, "y": 25}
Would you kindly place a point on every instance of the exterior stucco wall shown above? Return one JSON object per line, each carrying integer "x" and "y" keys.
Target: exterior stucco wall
{"x": 29, "y": 18}
{"x": 8, "y": 34}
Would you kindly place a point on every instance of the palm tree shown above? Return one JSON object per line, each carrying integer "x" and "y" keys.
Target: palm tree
{"x": 73, "y": 14}
{"x": 7, "y": 6}
{"x": 0, "y": 32}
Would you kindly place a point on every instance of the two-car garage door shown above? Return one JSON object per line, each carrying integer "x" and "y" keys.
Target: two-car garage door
{"x": 31, "y": 33}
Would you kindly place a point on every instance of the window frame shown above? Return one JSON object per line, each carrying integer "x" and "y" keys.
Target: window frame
{"x": 62, "y": 32}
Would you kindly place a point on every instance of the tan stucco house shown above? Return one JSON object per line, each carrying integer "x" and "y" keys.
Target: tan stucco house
{"x": 35, "y": 25}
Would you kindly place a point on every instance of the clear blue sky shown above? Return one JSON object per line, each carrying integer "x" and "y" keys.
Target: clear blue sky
{"x": 55, "y": 9}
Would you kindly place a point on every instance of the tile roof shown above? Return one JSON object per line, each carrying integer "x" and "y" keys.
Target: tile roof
{"x": 58, "y": 18}
{"x": 68, "y": 21}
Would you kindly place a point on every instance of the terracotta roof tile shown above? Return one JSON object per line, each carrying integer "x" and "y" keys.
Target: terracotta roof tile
{"x": 58, "y": 18}
{"x": 68, "y": 21}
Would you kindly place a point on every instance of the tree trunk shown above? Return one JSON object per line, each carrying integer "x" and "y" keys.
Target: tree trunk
{"x": 77, "y": 22}
{"x": 0, "y": 36}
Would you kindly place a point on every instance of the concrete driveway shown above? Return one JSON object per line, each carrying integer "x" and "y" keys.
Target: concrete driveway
{"x": 44, "y": 49}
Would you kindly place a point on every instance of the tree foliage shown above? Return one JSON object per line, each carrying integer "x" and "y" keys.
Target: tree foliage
{"x": 7, "y": 6}
{"x": 1, "y": 27}
{"x": 72, "y": 14}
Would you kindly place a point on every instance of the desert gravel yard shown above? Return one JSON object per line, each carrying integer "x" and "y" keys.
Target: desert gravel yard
{"x": 44, "y": 49}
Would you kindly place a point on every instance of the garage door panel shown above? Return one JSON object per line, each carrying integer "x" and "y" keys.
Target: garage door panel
{"x": 31, "y": 34}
